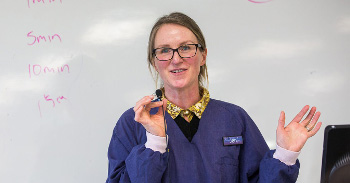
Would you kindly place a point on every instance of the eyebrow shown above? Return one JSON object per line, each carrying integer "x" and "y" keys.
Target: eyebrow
{"x": 182, "y": 43}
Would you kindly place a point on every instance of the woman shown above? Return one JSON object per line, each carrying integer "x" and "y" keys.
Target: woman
{"x": 191, "y": 148}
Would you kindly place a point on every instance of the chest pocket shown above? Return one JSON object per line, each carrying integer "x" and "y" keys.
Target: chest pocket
{"x": 229, "y": 164}
{"x": 229, "y": 170}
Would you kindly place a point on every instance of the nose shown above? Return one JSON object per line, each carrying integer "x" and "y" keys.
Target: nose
{"x": 176, "y": 58}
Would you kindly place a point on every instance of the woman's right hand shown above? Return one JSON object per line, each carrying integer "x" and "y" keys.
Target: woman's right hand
{"x": 154, "y": 124}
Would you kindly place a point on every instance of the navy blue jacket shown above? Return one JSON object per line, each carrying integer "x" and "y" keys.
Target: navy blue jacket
{"x": 203, "y": 160}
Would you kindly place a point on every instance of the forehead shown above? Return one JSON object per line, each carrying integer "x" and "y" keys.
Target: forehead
{"x": 173, "y": 35}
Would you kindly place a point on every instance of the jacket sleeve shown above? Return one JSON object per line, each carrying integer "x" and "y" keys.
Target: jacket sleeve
{"x": 256, "y": 160}
{"x": 273, "y": 170}
{"x": 129, "y": 160}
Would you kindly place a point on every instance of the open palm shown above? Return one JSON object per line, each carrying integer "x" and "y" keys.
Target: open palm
{"x": 294, "y": 136}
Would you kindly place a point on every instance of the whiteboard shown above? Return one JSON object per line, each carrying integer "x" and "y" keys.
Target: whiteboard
{"x": 69, "y": 69}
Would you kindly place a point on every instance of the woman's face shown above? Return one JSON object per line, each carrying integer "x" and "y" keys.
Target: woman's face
{"x": 178, "y": 73}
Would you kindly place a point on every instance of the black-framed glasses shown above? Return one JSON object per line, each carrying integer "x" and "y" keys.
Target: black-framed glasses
{"x": 184, "y": 51}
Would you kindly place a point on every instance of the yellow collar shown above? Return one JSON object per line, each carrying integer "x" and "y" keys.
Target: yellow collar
{"x": 196, "y": 109}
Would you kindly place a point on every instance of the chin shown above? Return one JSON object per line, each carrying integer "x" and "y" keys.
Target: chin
{"x": 180, "y": 85}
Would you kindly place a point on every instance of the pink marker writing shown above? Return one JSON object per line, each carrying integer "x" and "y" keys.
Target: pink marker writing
{"x": 40, "y": 1}
{"x": 61, "y": 98}
{"x": 51, "y": 100}
{"x": 37, "y": 69}
{"x": 259, "y": 1}
{"x": 40, "y": 38}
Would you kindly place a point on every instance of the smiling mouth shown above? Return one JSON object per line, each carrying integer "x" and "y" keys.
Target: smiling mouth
{"x": 177, "y": 71}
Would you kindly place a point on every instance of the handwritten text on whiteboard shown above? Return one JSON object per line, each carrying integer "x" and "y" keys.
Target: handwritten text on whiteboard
{"x": 40, "y": 1}
{"x": 37, "y": 69}
{"x": 36, "y": 39}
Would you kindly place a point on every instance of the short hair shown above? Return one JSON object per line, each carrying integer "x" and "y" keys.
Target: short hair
{"x": 183, "y": 20}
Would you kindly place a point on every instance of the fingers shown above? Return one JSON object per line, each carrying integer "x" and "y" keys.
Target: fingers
{"x": 143, "y": 107}
{"x": 165, "y": 103}
{"x": 301, "y": 114}
{"x": 162, "y": 106}
{"x": 315, "y": 130}
{"x": 310, "y": 122}
{"x": 314, "y": 120}
{"x": 140, "y": 108}
{"x": 313, "y": 126}
{"x": 141, "y": 103}
{"x": 151, "y": 105}
{"x": 308, "y": 118}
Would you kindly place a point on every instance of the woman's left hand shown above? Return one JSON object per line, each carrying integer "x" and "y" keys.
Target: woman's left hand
{"x": 294, "y": 136}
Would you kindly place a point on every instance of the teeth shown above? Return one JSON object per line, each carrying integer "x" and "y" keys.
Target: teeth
{"x": 176, "y": 71}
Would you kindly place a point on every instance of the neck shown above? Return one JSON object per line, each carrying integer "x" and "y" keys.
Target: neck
{"x": 184, "y": 97}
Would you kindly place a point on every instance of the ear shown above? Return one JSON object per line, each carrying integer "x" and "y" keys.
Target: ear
{"x": 204, "y": 55}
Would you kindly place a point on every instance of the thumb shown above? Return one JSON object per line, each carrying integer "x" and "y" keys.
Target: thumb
{"x": 281, "y": 121}
{"x": 162, "y": 107}
{"x": 165, "y": 101}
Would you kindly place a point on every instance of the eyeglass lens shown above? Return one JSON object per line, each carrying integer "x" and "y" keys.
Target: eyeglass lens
{"x": 185, "y": 51}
